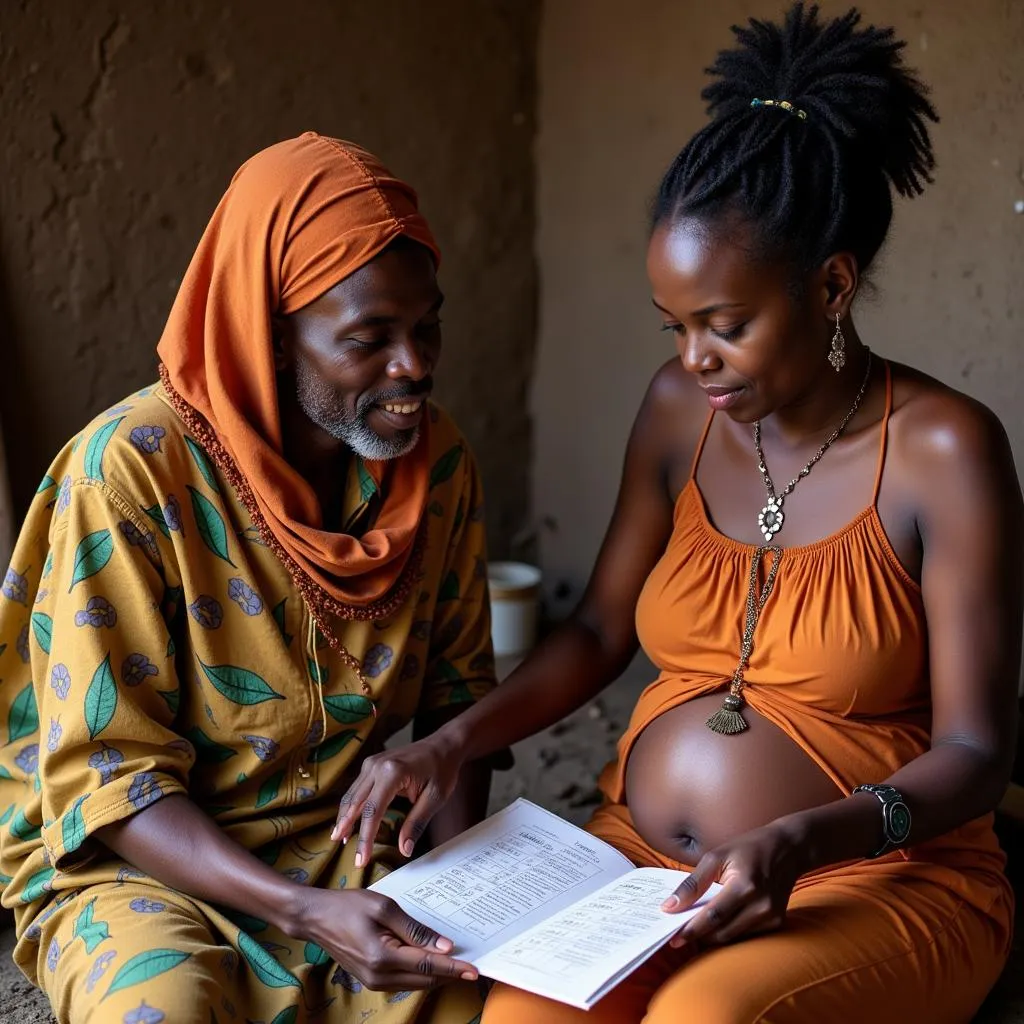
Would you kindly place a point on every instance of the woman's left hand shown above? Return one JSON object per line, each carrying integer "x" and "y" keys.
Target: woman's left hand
{"x": 425, "y": 772}
{"x": 757, "y": 871}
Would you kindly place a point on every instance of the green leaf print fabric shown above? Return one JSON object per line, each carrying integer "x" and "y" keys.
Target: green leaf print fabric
{"x": 149, "y": 648}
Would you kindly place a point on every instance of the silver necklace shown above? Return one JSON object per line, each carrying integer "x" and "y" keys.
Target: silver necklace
{"x": 771, "y": 517}
{"x": 728, "y": 720}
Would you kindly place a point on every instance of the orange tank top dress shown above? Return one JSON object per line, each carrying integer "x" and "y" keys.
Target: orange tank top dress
{"x": 839, "y": 664}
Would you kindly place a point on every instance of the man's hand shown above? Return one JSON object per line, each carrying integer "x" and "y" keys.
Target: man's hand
{"x": 376, "y": 941}
{"x": 424, "y": 772}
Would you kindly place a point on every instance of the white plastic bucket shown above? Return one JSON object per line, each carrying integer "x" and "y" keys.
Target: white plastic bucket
{"x": 515, "y": 594}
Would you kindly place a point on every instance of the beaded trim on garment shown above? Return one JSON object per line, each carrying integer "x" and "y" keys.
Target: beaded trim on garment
{"x": 321, "y": 605}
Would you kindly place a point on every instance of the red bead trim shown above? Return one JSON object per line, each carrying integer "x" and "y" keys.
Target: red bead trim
{"x": 322, "y": 606}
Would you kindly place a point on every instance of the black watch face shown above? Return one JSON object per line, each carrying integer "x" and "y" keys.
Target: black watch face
{"x": 899, "y": 822}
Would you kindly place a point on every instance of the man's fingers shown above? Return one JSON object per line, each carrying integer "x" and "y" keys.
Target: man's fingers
{"x": 411, "y": 931}
{"x": 399, "y": 982}
{"x": 694, "y": 885}
{"x": 426, "y": 964}
{"x": 429, "y": 803}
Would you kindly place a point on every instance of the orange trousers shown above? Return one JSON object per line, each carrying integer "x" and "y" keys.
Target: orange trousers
{"x": 873, "y": 941}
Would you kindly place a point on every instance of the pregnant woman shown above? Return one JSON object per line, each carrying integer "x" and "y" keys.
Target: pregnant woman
{"x": 825, "y": 565}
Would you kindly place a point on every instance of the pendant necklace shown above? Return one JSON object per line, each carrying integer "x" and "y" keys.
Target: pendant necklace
{"x": 728, "y": 720}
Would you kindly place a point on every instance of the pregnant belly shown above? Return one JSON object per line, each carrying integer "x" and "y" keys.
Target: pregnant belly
{"x": 689, "y": 789}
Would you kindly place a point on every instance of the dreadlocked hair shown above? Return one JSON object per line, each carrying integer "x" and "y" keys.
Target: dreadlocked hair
{"x": 810, "y": 186}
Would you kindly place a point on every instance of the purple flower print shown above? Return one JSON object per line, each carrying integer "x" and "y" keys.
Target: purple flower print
{"x": 15, "y": 587}
{"x": 132, "y": 534}
{"x": 22, "y": 644}
{"x": 144, "y": 790}
{"x": 315, "y": 734}
{"x": 41, "y": 596}
{"x": 410, "y": 668}
{"x": 378, "y": 658}
{"x": 347, "y": 981}
{"x": 297, "y": 875}
{"x": 53, "y": 955}
{"x": 141, "y": 905}
{"x": 28, "y": 758}
{"x": 305, "y": 794}
{"x": 34, "y": 932}
{"x": 136, "y": 668}
{"x": 127, "y": 874}
{"x": 172, "y": 515}
{"x": 100, "y": 967}
{"x": 98, "y": 612}
{"x": 106, "y": 762}
{"x": 140, "y": 539}
{"x": 147, "y": 439}
{"x": 265, "y": 749}
{"x": 53, "y": 739}
{"x": 63, "y": 495}
{"x": 207, "y": 611}
{"x": 245, "y": 597}
{"x": 60, "y": 680}
{"x": 143, "y": 1014}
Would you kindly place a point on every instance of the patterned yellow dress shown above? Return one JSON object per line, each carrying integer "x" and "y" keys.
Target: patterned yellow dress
{"x": 151, "y": 643}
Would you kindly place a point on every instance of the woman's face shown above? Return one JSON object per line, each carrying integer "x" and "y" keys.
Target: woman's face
{"x": 752, "y": 346}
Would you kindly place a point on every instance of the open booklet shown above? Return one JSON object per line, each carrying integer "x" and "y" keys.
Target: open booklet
{"x": 538, "y": 903}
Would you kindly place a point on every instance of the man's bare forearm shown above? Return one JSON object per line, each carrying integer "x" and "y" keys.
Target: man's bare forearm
{"x": 180, "y": 846}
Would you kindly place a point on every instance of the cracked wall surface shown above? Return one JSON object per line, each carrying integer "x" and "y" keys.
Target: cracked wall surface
{"x": 121, "y": 123}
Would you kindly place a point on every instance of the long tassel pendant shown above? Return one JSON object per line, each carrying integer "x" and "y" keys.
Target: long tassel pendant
{"x": 728, "y": 721}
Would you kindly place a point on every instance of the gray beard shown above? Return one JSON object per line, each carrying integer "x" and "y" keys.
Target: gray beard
{"x": 320, "y": 404}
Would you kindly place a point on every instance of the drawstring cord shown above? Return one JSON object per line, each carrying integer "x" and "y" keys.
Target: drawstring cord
{"x": 350, "y": 660}
{"x": 315, "y": 661}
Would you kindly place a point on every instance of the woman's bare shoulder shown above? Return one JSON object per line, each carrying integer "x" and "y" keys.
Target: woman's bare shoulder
{"x": 939, "y": 435}
{"x": 674, "y": 410}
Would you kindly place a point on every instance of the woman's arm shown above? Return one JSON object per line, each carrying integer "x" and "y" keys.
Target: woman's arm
{"x": 956, "y": 456}
{"x": 578, "y": 659}
{"x": 467, "y": 804}
{"x": 953, "y": 456}
{"x": 595, "y": 645}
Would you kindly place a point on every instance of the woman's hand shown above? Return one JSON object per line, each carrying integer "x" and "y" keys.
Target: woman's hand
{"x": 376, "y": 941}
{"x": 757, "y": 870}
{"x": 424, "y": 772}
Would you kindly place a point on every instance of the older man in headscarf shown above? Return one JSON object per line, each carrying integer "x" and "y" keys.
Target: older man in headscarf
{"x": 230, "y": 589}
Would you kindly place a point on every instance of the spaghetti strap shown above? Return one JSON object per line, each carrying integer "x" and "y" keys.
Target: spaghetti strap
{"x": 885, "y": 432}
{"x": 700, "y": 445}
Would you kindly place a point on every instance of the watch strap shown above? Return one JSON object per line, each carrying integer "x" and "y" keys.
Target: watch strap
{"x": 886, "y": 796}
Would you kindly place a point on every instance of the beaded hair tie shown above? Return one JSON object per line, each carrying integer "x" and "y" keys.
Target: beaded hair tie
{"x": 782, "y": 105}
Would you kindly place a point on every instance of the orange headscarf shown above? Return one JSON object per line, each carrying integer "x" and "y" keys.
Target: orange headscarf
{"x": 296, "y": 219}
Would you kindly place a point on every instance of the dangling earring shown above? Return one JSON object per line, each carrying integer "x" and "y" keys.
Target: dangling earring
{"x": 837, "y": 357}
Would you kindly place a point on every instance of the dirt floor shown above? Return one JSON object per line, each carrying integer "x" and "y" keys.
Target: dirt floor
{"x": 557, "y": 769}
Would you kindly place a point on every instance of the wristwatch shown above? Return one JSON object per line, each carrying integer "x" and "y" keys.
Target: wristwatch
{"x": 895, "y": 815}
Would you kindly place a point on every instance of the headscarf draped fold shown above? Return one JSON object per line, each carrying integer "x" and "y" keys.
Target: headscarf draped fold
{"x": 296, "y": 219}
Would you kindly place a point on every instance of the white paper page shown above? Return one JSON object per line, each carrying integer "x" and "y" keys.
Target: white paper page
{"x": 582, "y": 952}
{"x": 517, "y": 867}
